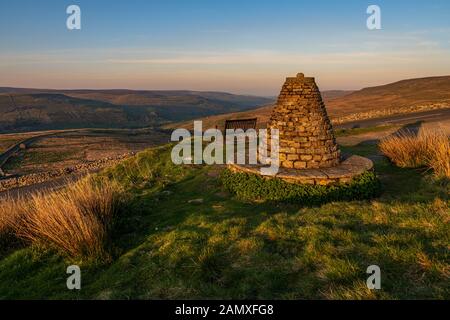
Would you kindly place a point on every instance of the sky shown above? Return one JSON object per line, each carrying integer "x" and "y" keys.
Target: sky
{"x": 245, "y": 46}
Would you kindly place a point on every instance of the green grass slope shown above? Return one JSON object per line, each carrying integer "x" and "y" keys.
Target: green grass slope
{"x": 42, "y": 111}
{"x": 167, "y": 246}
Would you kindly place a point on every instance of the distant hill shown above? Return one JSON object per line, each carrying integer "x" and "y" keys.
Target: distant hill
{"x": 39, "y": 109}
{"x": 405, "y": 93}
{"x": 262, "y": 113}
{"x": 328, "y": 95}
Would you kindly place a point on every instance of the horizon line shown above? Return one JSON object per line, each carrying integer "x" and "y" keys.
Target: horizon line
{"x": 204, "y": 91}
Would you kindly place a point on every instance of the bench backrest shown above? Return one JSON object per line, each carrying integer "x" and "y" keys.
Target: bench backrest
{"x": 241, "y": 124}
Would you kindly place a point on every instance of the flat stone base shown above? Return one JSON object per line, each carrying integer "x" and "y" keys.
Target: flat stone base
{"x": 349, "y": 168}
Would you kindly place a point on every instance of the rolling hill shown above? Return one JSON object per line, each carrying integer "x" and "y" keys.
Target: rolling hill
{"x": 368, "y": 101}
{"x": 41, "y": 109}
{"x": 403, "y": 93}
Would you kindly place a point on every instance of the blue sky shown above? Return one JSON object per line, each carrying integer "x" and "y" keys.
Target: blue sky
{"x": 238, "y": 46}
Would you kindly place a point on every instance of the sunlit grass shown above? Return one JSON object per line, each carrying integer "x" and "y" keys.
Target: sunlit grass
{"x": 168, "y": 248}
{"x": 409, "y": 149}
{"x": 76, "y": 221}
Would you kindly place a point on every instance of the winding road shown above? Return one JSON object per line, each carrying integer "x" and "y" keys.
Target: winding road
{"x": 401, "y": 119}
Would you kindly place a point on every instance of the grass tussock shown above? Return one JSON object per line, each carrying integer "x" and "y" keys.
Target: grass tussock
{"x": 10, "y": 215}
{"x": 76, "y": 220}
{"x": 427, "y": 148}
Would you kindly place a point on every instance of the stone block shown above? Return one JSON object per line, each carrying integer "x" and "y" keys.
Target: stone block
{"x": 299, "y": 165}
{"x": 287, "y": 164}
{"x": 306, "y": 157}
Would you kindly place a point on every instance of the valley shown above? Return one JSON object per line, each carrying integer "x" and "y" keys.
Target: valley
{"x": 23, "y": 110}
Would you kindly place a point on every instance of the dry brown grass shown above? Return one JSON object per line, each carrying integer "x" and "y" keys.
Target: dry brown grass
{"x": 439, "y": 159}
{"x": 10, "y": 212}
{"x": 76, "y": 220}
{"x": 408, "y": 149}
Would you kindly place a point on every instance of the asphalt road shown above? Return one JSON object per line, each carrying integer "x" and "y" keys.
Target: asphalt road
{"x": 426, "y": 116}
{"x": 11, "y": 151}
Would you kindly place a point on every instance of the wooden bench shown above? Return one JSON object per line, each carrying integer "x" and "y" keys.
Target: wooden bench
{"x": 241, "y": 124}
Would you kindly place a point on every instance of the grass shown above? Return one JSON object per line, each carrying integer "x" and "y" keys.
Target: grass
{"x": 427, "y": 148}
{"x": 76, "y": 221}
{"x": 166, "y": 247}
{"x": 356, "y": 131}
{"x": 7, "y": 141}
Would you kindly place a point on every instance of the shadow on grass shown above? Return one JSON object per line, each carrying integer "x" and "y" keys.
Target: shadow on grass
{"x": 218, "y": 237}
{"x": 150, "y": 213}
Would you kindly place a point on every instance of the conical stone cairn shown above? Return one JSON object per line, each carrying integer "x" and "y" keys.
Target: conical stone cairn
{"x": 306, "y": 138}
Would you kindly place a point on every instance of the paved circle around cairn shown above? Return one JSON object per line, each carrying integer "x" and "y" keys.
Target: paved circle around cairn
{"x": 351, "y": 166}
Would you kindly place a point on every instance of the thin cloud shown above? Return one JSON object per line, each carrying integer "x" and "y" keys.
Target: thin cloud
{"x": 278, "y": 58}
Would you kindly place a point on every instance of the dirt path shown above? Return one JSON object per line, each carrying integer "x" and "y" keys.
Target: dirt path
{"x": 439, "y": 124}
{"x": 365, "y": 137}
